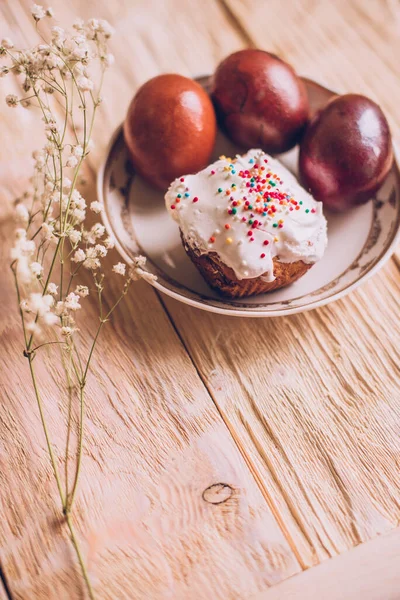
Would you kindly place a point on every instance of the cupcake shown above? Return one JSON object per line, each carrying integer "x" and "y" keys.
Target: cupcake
{"x": 247, "y": 224}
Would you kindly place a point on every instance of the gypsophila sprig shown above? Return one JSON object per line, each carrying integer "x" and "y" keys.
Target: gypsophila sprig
{"x": 54, "y": 244}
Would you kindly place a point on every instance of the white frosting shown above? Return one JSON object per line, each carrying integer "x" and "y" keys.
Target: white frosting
{"x": 217, "y": 221}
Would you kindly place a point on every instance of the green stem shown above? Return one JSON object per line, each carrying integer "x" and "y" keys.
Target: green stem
{"x": 80, "y": 559}
{"x": 46, "y": 433}
{"x": 79, "y": 450}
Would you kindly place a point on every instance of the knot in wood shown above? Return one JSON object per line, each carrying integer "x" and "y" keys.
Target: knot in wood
{"x": 217, "y": 493}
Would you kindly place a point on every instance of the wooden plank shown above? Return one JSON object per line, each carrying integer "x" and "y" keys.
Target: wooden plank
{"x": 332, "y": 42}
{"x": 312, "y": 401}
{"x": 167, "y": 505}
{"x": 336, "y": 49}
{"x": 368, "y": 571}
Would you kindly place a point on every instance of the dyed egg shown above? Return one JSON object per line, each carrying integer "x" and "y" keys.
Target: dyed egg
{"x": 346, "y": 152}
{"x": 260, "y": 101}
{"x": 170, "y": 129}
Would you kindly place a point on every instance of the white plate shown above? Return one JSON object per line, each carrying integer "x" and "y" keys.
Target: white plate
{"x": 359, "y": 241}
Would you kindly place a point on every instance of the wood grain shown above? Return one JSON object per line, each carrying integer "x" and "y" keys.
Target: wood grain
{"x": 294, "y": 422}
{"x": 312, "y": 399}
{"x": 167, "y": 506}
{"x": 368, "y": 571}
{"x": 315, "y": 410}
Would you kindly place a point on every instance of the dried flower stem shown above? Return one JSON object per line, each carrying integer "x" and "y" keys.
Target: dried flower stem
{"x": 53, "y": 232}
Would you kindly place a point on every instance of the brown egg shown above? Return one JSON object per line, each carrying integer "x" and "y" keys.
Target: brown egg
{"x": 260, "y": 101}
{"x": 170, "y": 129}
{"x": 346, "y": 152}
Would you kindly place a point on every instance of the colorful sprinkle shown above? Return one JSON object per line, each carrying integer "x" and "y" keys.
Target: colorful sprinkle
{"x": 229, "y": 240}
{"x": 227, "y": 226}
{"x": 195, "y": 199}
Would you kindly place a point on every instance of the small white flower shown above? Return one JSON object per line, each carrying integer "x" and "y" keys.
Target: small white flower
{"x": 84, "y": 83}
{"x": 96, "y": 207}
{"x": 77, "y": 151}
{"x": 52, "y": 288}
{"x": 39, "y": 158}
{"x": 137, "y": 271}
{"x": 40, "y": 304}
{"x": 36, "y": 269}
{"x": 105, "y": 28}
{"x": 82, "y": 291}
{"x": 77, "y": 200}
{"x": 139, "y": 262}
{"x": 72, "y": 162}
{"x": 75, "y": 236}
{"x": 48, "y": 231}
{"x": 79, "y": 215}
{"x": 100, "y": 250}
{"x": 79, "y": 53}
{"x": 66, "y": 184}
{"x": 93, "y": 24}
{"x": 149, "y": 277}
{"x": 33, "y": 328}
{"x": 67, "y": 331}
{"x": 20, "y": 233}
{"x": 24, "y": 306}
{"x": 72, "y": 302}
{"x": 78, "y": 24}
{"x": 22, "y": 213}
{"x": 50, "y": 318}
{"x": 49, "y": 12}
{"x": 38, "y": 12}
{"x": 119, "y": 268}
{"x": 23, "y": 271}
{"x": 92, "y": 263}
{"x": 50, "y": 149}
{"x": 98, "y": 230}
{"x": 60, "y": 309}
{"x": 58, "y": 35}
{"x": 108, "y": 59}
{"x": 79, "y": 256}
{"x": 7, "y": 43}
{"x": 12, "y": 100}
{"x": 64, "y": 202}
{"x": 51, "y": 127}
{"x": 109, "y": 243}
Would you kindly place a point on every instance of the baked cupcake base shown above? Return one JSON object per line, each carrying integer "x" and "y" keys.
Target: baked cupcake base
{"x": 223, "y": 279}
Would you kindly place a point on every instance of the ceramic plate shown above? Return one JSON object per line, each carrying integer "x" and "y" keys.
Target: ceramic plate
{"x": 359, "y": 241}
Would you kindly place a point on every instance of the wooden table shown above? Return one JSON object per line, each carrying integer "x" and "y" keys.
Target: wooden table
{"x": 224, "y": 458}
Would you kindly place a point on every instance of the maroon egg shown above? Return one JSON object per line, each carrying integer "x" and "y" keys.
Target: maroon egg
{"x": 346, "y": 152}
{"x": 260, "y": 101}
{"x": 170, "y": 129}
